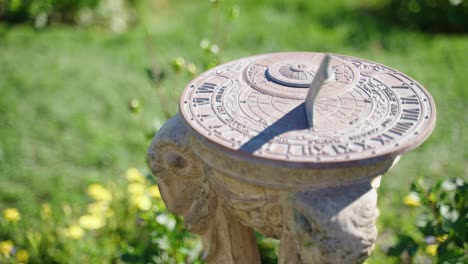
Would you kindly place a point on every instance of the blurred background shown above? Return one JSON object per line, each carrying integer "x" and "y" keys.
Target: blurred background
{"x": 85, "y": 84}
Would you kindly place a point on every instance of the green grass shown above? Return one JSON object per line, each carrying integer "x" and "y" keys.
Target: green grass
{"x": 64, "y": 121}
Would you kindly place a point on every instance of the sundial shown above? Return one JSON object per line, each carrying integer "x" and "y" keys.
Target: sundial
{"x": 291, "y": 145}
{"x": 257, "y": 108}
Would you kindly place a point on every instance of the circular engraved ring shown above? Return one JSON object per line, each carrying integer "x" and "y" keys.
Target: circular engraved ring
{"x": 254, "y": 107}
{"x": 282, "y": 74}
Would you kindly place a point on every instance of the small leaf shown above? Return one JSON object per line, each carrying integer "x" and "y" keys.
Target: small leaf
{"x": 235, "y": 12}
{"x": 405, "y": 244}
{"x": 134, "y": 106}
{"x": 178, "y": 64}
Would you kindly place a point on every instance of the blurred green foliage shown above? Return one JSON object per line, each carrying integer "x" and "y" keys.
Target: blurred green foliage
{"x": 429, "y": 15}
{"x": 115, "y": 14}
{"x": 442, "y": 223}
{"x": 124, "y": 223}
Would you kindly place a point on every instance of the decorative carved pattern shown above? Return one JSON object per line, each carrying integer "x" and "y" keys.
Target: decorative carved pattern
{"x": 186, "y": 192}
{"x": 254, "y": 107}
{"x": 173, "y": 162}
{"x": 331, "y": 225}
{"x": 321, "y": 225}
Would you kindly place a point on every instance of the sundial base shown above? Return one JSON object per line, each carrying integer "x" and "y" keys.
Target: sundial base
{"x": 323, "y": 222}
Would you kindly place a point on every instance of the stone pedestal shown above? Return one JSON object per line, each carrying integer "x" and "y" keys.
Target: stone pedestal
{"x": 325, "y": 215}
{"x": 291, "y": 145}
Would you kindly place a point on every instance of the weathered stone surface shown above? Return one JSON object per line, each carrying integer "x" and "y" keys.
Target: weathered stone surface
{"x": 187, "y": 191}
{"x": 252, "y": 108}
{"x": 242, "y": 155}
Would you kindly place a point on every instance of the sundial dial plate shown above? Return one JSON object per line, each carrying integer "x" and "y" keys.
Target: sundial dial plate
{"x": 254, "y": 108}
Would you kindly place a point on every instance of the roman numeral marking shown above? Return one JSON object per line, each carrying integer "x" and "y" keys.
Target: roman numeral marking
{"x": 410, "y": 100}
{"x": 201, "y": 101}
{"x": 318, "y": 149}
{"x": 206, "y": 88}
{"x": 341, "y": 148}
{"x": 205, "y": 117}
{"x": 363, "y": 144}
{"x": 400, "y": 86}
{"x": 219, "y": 95}
{"x": 384, "y": 138}
{"x": 410, "y": 114}
{"x": 401, "y": 127}
{"x": 387, "y": 136}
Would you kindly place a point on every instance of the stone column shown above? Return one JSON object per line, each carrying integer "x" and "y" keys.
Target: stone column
{"x": 328, "y": 221}
{"x": 328, "y": 224}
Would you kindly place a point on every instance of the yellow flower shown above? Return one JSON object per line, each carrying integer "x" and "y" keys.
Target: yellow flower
{"x": 142, "y": 202}
{"x": 432, "y": 249}
{"x": 154, "y": 191}
{"x": 67, "y": 210}
{"x": 412, "y": 199}
{"x": 136, "y": 188}
{"x": 97, "y": 208}
{"x": 442, "y": 238}
{"x": 100, "y": 209}
{"x": 45, "y": 210}
{"x": 11, "y": 215}
{"x": 99, "y": 193}
{"x": 22, "y": 256}
{"x": 92, "y": 221}
{"x": 74, "y": 232}
{"x": 134, "y": 175}
{"x": 6, "y": 247}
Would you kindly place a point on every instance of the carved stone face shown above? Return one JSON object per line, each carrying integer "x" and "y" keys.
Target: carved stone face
{"x": 177, "y": 168}
{"x": 179, "y": 180}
